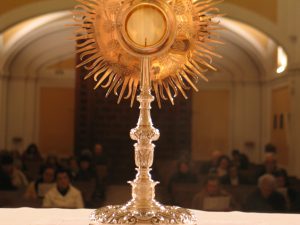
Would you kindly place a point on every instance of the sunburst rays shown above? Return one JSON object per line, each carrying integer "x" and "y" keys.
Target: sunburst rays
{"x": 173, "y": 73}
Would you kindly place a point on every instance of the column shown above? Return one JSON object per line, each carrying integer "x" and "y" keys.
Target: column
{"x": 3, "y": 111}
{"x": 294, "y": 122}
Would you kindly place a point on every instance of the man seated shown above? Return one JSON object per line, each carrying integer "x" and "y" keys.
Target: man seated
{"x": 233, "y": 178}
{"x": 86, "y": 172}
{"x": 99, "y": 155}
{"x": 63, "y": 195}
{"x": 39, "y": 187}
{"x": 270, "y": 165}
{"x": 213, "y": 197}
{"x": 240, "y": 160}
{"x": 182, "y": 175}
{"x": 11, "y": 178}
{"x": 266, "y": 198}
{"x": 211, "y": 165}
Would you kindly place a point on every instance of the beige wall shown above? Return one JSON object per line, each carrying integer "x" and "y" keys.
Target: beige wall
{"x": 21, "y": 108}
{"x": 20, "y": 111}
{"x": 210, "y": 122}
{"x": 10, "y": 5}
{"x": 247, "y": 119}
{"x": 294, "y": 153}
{"x": 265, "y": 8}
{"x": 3, "y": 103}
{"x": 56, "y": 120}
{"x": 281, "y": 107}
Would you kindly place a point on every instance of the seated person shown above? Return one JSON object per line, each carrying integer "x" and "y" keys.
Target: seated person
{"x": 295, "y": 206}
{"x": 283, "y": 188}
{"x": 265, "y": 198}
{"x": 182, "y": 175}
{"x": 86, "y": 171}
{"x": 211, "y": 165}
{"x": 99, "y": 155}
{"x": 270, "y": 148}
{"x": 63, "y": 195}
{"x": 222, "y": 169}
{"x": 17, "y": 160}
{"x": 240, "y": 160}
{"x": 11, "y": 178}
{"x": 31, "y": 153}
{"x": 38, "y": 188}
{"x": 73, "y": 166}
{"x": 51, "y": 160}
{"x": 270, "y": 165}
{"x": 233, "y": 178}
{"x": 213, "y": 197}
{"x": 5, "y": 179}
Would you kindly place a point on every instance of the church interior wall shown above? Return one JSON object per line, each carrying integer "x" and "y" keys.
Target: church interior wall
{"x": 249, "y": 102}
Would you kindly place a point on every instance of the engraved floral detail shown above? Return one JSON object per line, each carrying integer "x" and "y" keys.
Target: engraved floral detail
{"x": 124, "y": 215}
{"x": 145, "y": 134}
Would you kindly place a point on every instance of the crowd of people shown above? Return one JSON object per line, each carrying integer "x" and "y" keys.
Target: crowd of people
{"x": 224, "y": 175}
{"x": 77, "y": 181}
{"x": 55, "y": 180}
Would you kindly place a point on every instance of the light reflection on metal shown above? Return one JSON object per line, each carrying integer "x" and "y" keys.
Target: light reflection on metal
{"x": 101, "y": 38}
{"x": 143, "y": 208}
{"x": 150, "y": 44}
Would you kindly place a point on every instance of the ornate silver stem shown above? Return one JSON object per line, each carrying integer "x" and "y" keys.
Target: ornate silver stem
{"x": 143, "y": 187}
{"x": 143, "y": 208}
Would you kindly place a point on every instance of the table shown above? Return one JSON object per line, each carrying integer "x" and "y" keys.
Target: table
{"x": 30, "y": 216}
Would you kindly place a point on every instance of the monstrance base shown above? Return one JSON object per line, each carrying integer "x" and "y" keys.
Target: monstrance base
{"x": 159, "y": 215}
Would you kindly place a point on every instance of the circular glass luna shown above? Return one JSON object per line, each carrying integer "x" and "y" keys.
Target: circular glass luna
{"x": 146, "y": 25}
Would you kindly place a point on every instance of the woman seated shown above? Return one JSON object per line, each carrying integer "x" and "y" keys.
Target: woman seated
{"x": 38, "y": 188}
{"x": 223, "y": 166}
{"x": 233, "y": 178}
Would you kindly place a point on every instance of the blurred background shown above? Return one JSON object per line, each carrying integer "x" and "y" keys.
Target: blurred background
{"x": 235, "y": 140}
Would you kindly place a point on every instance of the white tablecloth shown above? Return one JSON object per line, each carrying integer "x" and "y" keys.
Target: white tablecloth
{"x": 29, "y": 216}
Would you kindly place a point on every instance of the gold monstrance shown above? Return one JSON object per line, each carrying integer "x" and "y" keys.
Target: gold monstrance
{"x": 164, "y": 45}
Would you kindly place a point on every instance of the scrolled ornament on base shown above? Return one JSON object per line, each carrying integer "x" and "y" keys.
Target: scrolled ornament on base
{"x": 125, "y": 215}
{"x": 143, "y": 208}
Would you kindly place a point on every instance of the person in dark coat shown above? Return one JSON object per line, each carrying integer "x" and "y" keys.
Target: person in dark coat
{"x": 99, "y": 156}
{"x": 223, "y": 165}
{"x": 6, "y": 163}
{"x": 266, "y": 199}
{"x": 86, "y": 171}
{"x": 182, "y": 175}
{"x": 233, "y": 178}
{"x": 270, "y": 166}
{"x": 283, "y": 187}
{"x": 31, "y": 153}
{"x": 213, "y": 197}
{"x": 11, "y": 178}
{"x": 211, "y": 165}
{"x": 240, "y": 160}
